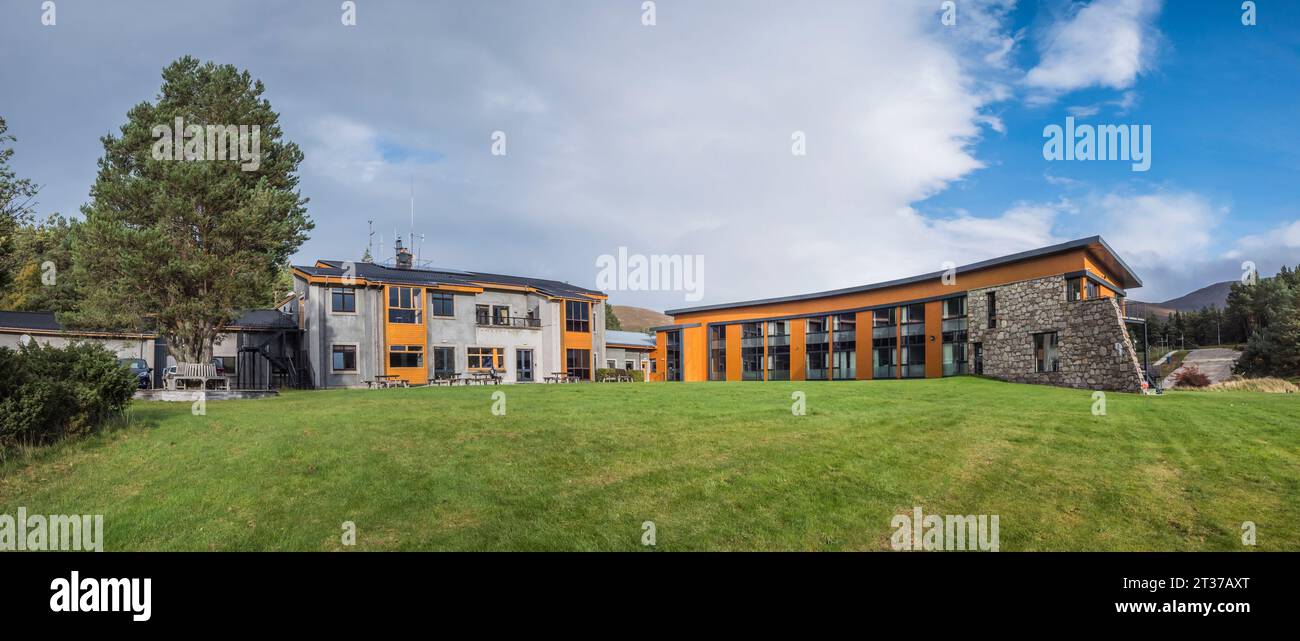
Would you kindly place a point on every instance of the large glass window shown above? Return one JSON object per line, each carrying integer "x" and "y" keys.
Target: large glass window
{"x": 884, "y": 343}
{"x": 844, "y": 347}
{"x": 954, "y": 336}
{"x": 817, "y": 349}
{"x": 673, "y": 354}
{"x": 1092, "y": 290}
{"x": 578, "y": 363}
{"x": 404, "y": 305}
{"x": 486, "y": 358}
{"x": 482, "y": 314}
{"x": 442, "y": 304}
{"x": 343, "y": 358}
{"x": 778, "y": 351}
{"x": 751, "y": 351}
{"x": 343, "y": 299}
{"x": 912, "y": 352}
{"x": 717, "y": 353}
{"x": 577, "y": 316}
{"x": 406, "y": 356}
{"x": 1047, "y": 357}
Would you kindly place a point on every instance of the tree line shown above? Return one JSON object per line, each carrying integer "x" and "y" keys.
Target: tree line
{"x": 1261, "y": 314}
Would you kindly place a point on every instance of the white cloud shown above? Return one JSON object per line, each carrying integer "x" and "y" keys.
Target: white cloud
{"x": 1106, "y": 43}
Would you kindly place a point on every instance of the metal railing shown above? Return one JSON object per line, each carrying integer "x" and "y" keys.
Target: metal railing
{"x": 522, "y": 322}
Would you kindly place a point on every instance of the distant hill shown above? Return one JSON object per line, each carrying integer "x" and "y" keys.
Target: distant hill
{"x": 1216, "y": 294}
{"x": 639, "y": 319}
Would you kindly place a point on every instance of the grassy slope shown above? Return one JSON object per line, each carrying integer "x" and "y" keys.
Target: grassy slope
{"x": 716, "y": 466}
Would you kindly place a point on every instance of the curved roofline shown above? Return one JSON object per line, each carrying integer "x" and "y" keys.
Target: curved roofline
{"x": 1127, "y": 278}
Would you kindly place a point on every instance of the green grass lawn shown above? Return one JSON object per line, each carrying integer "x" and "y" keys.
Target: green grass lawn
{"x": 714, "y": 465}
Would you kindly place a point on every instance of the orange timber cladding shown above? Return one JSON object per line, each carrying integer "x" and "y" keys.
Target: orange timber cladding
{"x": 695, "y": 332}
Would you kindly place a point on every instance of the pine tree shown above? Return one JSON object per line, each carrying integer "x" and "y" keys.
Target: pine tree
{"x": 188, "y": 244}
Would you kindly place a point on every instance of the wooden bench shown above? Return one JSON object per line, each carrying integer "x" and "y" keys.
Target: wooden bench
{"x": 201, "y": 372}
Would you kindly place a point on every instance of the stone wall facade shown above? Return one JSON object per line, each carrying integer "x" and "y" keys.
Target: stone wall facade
{"x": 1094, "y": 346}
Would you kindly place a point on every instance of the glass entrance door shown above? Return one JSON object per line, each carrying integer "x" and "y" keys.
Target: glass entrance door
{"x": 524, "y": 365}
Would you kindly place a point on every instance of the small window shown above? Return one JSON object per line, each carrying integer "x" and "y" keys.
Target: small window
{"x": 991, "y": 299}
{"x": 486, "y": 358}
{"x": 500, "y": 315}
{"x": 442, "y": 304}
{"x": 611, "y": 364}
{"x": 406, "y": 356}
{"x": 577, "y": 316}
{"x": 629, "y": 365}
{"x": 1073, "y": 289}
{"x": 482, "y": 314}
{"x": 343, "y": 358}
{"x": 1093, "y": 290}
{"x": 343, "y": 299}
{"x": 1047, "y": 356}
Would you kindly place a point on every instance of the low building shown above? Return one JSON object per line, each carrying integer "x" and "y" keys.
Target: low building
{"x": 257, "y": 351}
{"x": 629, "y": 351}
{"x": 365, "y": 320}
{"x": 1054, "y": 315}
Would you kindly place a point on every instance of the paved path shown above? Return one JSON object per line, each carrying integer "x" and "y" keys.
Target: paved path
{"x": 1216, "y": 363}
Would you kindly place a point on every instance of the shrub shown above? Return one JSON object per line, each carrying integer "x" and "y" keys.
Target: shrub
{"x": 636, "y": 374}
{"x": 47, "y": 393}
{"x": 1190, "y": 376}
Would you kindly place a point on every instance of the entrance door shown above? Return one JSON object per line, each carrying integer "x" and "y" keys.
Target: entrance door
{"x": 524, "y": 365}
{"x": 979, "y": 357}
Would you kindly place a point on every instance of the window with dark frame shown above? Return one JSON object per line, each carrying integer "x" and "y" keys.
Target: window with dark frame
{"x": 442, "y": 304}
{"x": 717, "y": 353}
{"x": 577, "y": 316}
{"x": 406, "y": 356}
{"x": 343, "y": 299}
{"x": 954, "y": 336}
{"x": 500, "y": 314}
{"x": 991, "y": 301}
{"x": 1074, "y": 289}
{"x": 343, "y": 358}
{"x": 578, "y": 363}
{"x": 1047, "y": 355}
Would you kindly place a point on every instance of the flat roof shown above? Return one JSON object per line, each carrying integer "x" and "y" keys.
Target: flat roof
{"x": 1108, "y": 256}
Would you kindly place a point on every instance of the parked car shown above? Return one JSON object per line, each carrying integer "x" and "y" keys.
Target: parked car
{"x": 139, "y": 369}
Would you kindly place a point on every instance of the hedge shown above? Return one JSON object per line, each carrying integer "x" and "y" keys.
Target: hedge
{"x": 48, "y": 393}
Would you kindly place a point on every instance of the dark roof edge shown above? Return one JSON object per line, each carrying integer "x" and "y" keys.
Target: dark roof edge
{"x": 984, "y": 264}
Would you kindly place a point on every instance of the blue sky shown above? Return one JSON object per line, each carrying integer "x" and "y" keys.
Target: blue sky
{"x": 924, "y": 140}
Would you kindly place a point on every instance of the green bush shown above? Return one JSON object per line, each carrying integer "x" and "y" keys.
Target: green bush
{"x": 48, "y": 393}
{"x": 637, "y": 375}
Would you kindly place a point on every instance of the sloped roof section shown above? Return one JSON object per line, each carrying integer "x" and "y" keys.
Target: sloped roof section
{"x": 433, "y": 277}
{"x": 638, "y": 339}
{"x": 1096, "y": 246}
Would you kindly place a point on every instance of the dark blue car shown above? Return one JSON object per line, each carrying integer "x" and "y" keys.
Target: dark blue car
{"x": 139, "y": 369}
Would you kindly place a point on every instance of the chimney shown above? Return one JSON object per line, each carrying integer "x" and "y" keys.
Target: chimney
{"x": 403, "y": 256}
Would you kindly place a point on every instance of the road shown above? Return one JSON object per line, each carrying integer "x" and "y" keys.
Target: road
{"x": 1215, "y": 363}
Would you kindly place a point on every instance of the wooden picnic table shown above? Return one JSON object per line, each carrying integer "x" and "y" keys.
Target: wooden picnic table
{"x": 556, "y": 377}
{"x": 388, "y": 380}
{"x": 449, "y": 379}
{"x": 482, "y": 378}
